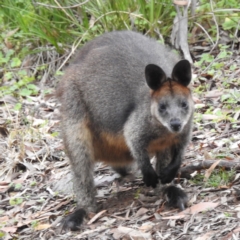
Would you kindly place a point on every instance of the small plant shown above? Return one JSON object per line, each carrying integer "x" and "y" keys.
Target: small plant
{"x": 231, "y": 96}
{"x": 137, "y": 193}
{"x": 18, "y": 186}
{"x": 225, "y": 15}
{"x": 2, "y": 234}
{"x": 15, "y": 201}
{"x": 15, "y": 186}
{"x": 217, "y": 178}
{"x": 33, "y": 183}
{"x": 34, "y": 223}
{"x": 206, "y": 58}
{"x": 212, "y": 65}
{"x": 41, "y": 200}
{"x": 227, "y": 214}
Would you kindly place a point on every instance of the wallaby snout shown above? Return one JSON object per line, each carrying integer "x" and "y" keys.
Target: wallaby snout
{"x": 175, "y": 124}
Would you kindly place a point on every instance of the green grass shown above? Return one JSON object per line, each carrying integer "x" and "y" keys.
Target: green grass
{"x": 218, "y": 178}
{"x": 61, "y": 26}
{"x": 29, "y": 28}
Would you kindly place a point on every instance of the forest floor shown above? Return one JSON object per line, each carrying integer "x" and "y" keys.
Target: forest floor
{"x": 35, "y": 179}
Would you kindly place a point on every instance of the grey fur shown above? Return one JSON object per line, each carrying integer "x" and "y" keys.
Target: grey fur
{"x": 104, "y": 90}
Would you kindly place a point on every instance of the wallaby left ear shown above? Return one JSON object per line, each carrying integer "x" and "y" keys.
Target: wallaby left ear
{"x": 155, "y": 76}
{"x": 182, "y": 72}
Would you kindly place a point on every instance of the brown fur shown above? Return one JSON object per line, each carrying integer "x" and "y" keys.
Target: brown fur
{"x": 160, "y": 144}
{"x": 171, "y": 87}
{"x": 112, "y": 149}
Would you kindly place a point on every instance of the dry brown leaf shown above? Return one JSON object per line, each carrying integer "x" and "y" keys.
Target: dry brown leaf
{"x": 4, "y": 219}
{"x": 42, "y": 226}
{"x": 99, "y": 229}
{"x": 200, "y": 207}
{"x": 9, "y": 229}
{"x": 196, "y": 100}
{"x": 213, "y": 94}
{"x": 207, "y": 155}
{"x": 9, "y": 44}
{"x": 133, "y": 233}
{"x": 104, "y": 180}
{"x": 175, "y": 217}
{"x": 210, "y": 170}
{"x": 12, "y": 32}
{"x": 206, "y": 236}
{"x": 209, "y": 117}
{"x": 141, "y": 211}
{"x": 96, "y": 217}
{"x": 4, "y": 188}
{"x": 203, "y": 206}
{"x": 116, "y": 233}
{"x": 168, "y": 212}
{"x": 146, "y": 227}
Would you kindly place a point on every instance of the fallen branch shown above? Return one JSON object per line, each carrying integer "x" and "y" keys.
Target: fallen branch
{"x": 185, "y": 172}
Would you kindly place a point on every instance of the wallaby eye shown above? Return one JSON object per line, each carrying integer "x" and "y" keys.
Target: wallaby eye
{"x": 162, "y": 107}
{"x": 184, "y": 104}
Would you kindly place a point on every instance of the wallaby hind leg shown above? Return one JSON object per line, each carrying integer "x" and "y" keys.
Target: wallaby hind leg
{"x": 175, "y": 196}
{"x": 78, "y": 143}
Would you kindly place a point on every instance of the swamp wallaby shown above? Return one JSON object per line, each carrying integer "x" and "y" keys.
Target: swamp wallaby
{"x": 125, "y": 98}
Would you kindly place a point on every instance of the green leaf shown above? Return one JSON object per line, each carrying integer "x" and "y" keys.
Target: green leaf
{"x": 222, "y": 54}
{"x": 18, "y": 186}
{"x": 233, "y": 67}
{"x": 229, "y": 24}
{"x": 58, "y": 73}
{"x": 2, "y": 234}
{"x": 16, "y": 62}
{"x": 25, "y": 92}
{"x": 15, "y": 201}
{"x": 55, "y": 134}
{"x": 10, "y": 52}
{"x": 32, "y": 86}
{"x": 34, "y": 223}
{"x": 8, "y": 75}
{"x": 32, "y": 184}
{"x": 18, "y": 106}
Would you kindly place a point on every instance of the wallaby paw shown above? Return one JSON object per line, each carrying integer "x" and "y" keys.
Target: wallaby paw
{"x": 168, "y": 174}
{"x": 176, "y": 197}
{"x": 74, "y": 220}
{"x": 150, "y": 177}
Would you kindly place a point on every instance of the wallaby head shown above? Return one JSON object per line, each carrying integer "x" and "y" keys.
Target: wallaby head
{"x": 172, "y": 103}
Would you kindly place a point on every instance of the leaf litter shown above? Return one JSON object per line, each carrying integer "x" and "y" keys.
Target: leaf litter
{"x": 36, "y": 183}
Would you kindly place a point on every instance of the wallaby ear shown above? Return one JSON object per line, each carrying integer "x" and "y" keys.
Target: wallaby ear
{"x": 182, "y": 72}
{"x": 154, "y": 76}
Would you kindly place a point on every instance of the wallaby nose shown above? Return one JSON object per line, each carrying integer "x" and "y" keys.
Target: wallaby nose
{"x": 175, "y": 124}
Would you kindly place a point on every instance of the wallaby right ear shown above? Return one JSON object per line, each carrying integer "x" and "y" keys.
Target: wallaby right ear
{"x": 182, "y": 72}
{"x": 154, "y": 76}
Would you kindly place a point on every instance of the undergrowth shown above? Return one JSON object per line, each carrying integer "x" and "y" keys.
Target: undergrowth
{"x": 218, "y": 178}
{"x": 42, "y": 32}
